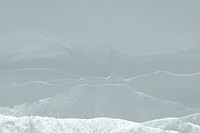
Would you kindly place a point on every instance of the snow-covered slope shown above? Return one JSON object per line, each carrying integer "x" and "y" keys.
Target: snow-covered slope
{"x": 194, "y": 119}
{"x": 140, "y": 129}
{"x": 9, "y": 124}
{"x": 108, "y": 100}
{"x": 175, "y": 124}
{"x": 187, "y": 124}
{"x": 36, "y": 124}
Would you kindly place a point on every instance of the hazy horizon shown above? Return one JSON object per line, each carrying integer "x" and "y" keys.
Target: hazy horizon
{"x": 136, "y": 27}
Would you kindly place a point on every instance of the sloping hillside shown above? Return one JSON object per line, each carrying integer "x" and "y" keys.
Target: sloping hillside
{"x": 108, "y": 100}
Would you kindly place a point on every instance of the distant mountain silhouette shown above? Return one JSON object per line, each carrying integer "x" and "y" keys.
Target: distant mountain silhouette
{"x": 111, "y": 61}
{"x": 34, "y": 74}
{"x": 182, "y": 88}
{"x": 30, "y": 84}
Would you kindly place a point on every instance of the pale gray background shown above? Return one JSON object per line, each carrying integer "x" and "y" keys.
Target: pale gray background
{"x": 135, "y": 26}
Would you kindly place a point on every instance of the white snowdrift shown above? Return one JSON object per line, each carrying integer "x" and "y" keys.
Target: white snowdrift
{"x": 9, "y": 124}
{"x": 140, "y": 129}
{"x": 175, "y": 124}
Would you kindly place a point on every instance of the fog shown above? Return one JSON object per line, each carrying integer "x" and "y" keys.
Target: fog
{"x": 133, "y": 26}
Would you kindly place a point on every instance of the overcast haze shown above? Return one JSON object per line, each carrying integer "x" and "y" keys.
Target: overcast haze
{"x": 66, "y": 62}
{"x": 135, "y": 26}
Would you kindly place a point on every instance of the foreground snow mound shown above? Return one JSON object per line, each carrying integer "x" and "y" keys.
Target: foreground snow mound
{"x": 109, "y": 100}
{"x": 175, "y": 124}
{"x": 194, "y": 119}
{"x": 140, "y": 129}
{"x": 10, "y": 124}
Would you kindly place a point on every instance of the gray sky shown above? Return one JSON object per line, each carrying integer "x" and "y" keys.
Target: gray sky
{"x": 135, "y": 26}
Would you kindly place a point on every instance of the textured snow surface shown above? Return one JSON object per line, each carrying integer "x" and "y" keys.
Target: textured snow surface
{"x": 9, "y": 124}
{"x": 188, "y": 124}
{"x": 194, "y": 118}
{"x": 36, "y": 124}
{"x": 140, "y": 129}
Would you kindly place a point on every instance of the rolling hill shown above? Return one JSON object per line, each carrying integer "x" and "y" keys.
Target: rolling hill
{"x": 108, "y": 100}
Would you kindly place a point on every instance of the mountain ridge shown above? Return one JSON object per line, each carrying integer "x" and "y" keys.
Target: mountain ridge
{"x": 109, "y": 100}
